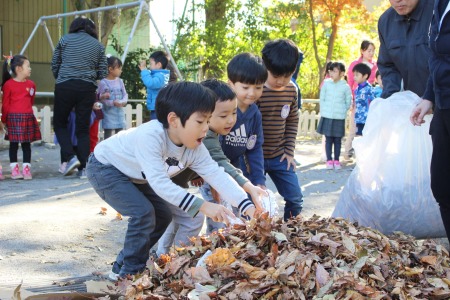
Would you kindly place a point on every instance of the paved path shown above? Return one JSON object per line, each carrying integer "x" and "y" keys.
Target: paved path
{"x": 50, "y": 227}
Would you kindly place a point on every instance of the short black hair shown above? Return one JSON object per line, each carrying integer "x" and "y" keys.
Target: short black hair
{"x": 247, "y": 68}
{"x": 184, "y": 98}
{"x": 220, "y": 88}
{"x": 340, "y": 66}
{"x": 280, "y": 57}
{"x": 84, "y": 24}
{"x": 160, "y": 57}
{"x": 363, "y": 69}
{"x": 365, "y": 45}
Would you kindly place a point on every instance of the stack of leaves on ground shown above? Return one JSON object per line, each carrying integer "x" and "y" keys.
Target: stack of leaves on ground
{"x": 300, "y": 259}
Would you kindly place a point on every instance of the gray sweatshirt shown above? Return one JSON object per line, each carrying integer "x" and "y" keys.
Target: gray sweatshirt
{"x": 146, "y": 153}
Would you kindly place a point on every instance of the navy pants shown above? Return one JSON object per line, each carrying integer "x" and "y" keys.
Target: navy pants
{"x": 149, "y": 214}
{"x": 329, "y": 142}
{"x": 440, "y": 163}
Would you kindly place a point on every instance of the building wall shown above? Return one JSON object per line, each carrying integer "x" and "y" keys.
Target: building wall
{"x": 19, "y": 17}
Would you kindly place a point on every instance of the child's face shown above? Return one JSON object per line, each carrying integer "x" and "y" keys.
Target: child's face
{"x": 193, "y": 132}
{"x": 359, "y": 78}
{"x": 335, "y": 74}
{"x": 24, "y": 71}
{"x": 380, "y": 82}
{"x": 277, "y": 83}
{"x": 115, "y": 71}
{"x": 246, "y": 94}
{"x": 224, "y": 117}
{"x": 154, "y": 65}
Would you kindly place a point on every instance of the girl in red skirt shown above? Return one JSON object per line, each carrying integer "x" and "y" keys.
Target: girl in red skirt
{"x": 17, "y": 113}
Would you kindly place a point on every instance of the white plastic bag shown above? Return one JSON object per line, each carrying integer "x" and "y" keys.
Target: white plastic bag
{"x": 269, "y": 203}
{"x": 389, "y": 189}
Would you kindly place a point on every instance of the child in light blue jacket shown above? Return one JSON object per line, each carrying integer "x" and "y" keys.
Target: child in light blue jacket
{"x": 155, "y": 78}
{"x": 335, "y": 100}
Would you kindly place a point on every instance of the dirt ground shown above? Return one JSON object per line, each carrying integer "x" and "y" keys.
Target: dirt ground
{"x": 51, "y": 227}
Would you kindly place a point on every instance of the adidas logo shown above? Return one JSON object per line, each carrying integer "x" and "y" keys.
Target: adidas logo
{"x": 238, "y": 137}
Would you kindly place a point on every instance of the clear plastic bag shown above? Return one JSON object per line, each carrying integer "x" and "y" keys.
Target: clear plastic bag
{"x": 269, "y": 203}
{"x": 389, "y": 189}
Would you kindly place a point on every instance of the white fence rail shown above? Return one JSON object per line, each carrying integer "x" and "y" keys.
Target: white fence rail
{"x": 307, "y": 124}
{"x": 133, "y": 118}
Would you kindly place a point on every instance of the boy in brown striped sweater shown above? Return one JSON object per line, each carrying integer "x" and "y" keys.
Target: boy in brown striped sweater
{"x": 279, "y": 109}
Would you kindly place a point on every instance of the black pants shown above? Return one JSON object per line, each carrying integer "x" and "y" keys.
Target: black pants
{"x": 440, "y": 163}
{"x": 81, "y": 96}
{"x": 329, "y": 142}
{"x": 14, "y": 148}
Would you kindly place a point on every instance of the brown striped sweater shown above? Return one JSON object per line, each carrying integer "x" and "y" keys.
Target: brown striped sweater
{"x": 279, "y": 110}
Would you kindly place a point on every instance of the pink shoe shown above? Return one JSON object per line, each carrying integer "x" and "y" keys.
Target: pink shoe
{"x": 26, "y": 171}
{"x": 337, "y": 165}
{"x": 330, "y": 165}
{"x": 1, "y": 174}
{"x": 15, "y": 172}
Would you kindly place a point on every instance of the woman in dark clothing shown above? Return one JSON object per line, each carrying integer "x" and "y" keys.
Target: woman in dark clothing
{"x": 78, "y": 62}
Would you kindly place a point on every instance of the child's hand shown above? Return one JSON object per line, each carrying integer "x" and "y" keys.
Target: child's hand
{"x": 290, "y": 161}
{"x": 255, "y": 193}
{"x": 198, "y": 182}
{"x": 216, "y": 212}
{"x": 117, "y": 103}
{"x": 252, "y": 212}
{"x": 105, "y": 95}
{"x": 142, "y": 65}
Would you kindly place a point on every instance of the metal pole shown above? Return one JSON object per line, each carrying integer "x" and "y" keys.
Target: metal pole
{"x": 49, "y": 38}
{"x": 76, "y": 13}
{"x": 31, "y": 36}
{"x": 164, "y": 44}
{"x": 82, "y": 12}
{"x": 136, "y": 21}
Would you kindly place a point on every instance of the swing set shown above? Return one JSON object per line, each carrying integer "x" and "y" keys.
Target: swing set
{"x": 143, "y": 6}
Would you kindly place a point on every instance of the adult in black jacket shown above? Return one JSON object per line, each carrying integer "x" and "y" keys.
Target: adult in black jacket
{"x": 438, "y": 94}
{"x": 404, "y": 52}
{"x": 78, "y": 62}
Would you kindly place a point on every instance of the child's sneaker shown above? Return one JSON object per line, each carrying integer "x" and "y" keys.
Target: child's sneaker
{"x": 71, "y": 165}
{"x": 26, "y": 171}
{"x": 15, "y": 171}
{"x": 330, "y": 165}
{"x": 337, "y": 165}
{"x": 62, "y": 167}
{"x": 1, "y": 174}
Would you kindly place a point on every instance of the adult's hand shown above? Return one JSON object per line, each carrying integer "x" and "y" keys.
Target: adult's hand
{"x": 423, "y": 108}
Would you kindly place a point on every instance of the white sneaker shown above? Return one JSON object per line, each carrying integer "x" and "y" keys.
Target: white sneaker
{"x": 113, "y": 276}
{"x": 62, "y": 167}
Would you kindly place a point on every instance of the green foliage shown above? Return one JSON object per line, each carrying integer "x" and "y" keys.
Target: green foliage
{"x": 131, "y": 74}
{"x": 228, "y": 27}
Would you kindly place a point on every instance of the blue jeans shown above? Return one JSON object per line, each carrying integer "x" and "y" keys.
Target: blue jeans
{"x": 286, "y": 182}
{"x": 149, "y": 214}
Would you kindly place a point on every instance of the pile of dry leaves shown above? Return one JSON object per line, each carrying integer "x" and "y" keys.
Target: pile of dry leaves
{"x": 300, "y": 259}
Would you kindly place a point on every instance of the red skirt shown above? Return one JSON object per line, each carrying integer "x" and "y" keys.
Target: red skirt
{"x": 22, "y": 128}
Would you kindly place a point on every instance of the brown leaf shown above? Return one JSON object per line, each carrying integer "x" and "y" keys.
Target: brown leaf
{"x": 103, "y": 210}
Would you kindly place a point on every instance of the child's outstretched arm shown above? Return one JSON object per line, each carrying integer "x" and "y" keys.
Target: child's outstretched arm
{"x": 152, "y": 82}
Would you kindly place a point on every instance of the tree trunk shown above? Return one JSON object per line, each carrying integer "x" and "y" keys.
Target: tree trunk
{"x": 320, "y": 66}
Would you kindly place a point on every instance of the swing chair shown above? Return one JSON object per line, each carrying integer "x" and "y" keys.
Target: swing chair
{"x": 143, "y": 5}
